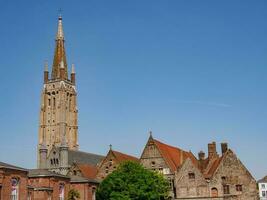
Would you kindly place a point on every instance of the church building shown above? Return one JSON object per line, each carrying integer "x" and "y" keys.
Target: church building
{"x": 63, "y": 167}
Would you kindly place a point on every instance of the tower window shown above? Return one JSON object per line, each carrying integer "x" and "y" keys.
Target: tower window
{"x": 239, "y": 188}
{"x": 226, "y": 189}
{"x": 49, "y": 102}
{"x": 191, "y": 175}
{"x": 54, "y": 102}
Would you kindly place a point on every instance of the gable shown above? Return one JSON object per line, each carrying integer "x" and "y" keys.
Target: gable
{"x": 173, "y": 157}
{"x": 233, "y": 169}
{"x": 152, "y": 158}
{"x": 183, "y": 178}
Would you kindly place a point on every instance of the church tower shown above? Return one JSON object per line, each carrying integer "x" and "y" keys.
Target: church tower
{"x": 58, "y": 114}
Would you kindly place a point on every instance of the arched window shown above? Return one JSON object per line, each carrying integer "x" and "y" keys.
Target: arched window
{"x": 61, "y": 191}
{"x": 54, "y": 102}
{"x": 14, "y": 189}
{"x": 214, "y": 192}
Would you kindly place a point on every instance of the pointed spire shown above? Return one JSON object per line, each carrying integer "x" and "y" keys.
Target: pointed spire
{"x": 46, "y": 73}
{"x": 72, "y": 75}
{"x": 60, "y": 34}
{"x": 72, "y": 69}
{"x": 110, "y": 147}
{"x": 46, "y": 66}
{"x": 59, "y": 54}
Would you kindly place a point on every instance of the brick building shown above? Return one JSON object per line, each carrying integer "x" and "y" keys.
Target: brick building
{"x": 14, "y": 183}
{"x": 111, "y": 162}
{"x": 212, "y": 177}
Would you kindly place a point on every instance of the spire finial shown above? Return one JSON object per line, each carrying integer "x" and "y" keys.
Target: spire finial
{"x": 46, "y": 66}
{"x": 60, "y": 34}
{"x": 72, "y": 69}
{"x": 150, "y": 133}
{"x": 110, "y": 146}
{"x": 60, "y": 13}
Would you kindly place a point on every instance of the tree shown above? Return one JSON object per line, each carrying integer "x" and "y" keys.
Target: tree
{"x": 131, "y": 181}
{"x": 73, "y": 194}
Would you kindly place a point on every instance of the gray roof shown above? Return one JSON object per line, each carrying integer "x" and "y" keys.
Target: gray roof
{"x": 8, "y": 166}
{"x": 80, "y": 179}
{"x": 43, "y": 173}
{"x": 263, "y": 180}
{"x": 84, "y": 157}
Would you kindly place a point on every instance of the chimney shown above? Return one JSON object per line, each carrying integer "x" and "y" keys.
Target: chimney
{"x": 212, "y": 150}
{"x": 201, "y": 155}
{"x": 224, "y": 147}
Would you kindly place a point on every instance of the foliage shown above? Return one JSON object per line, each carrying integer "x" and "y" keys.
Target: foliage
{"x": 131, "y": 181}
{"x": 73, "y": 194}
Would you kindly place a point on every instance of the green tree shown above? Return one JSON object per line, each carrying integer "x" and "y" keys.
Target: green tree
{"x": 131, "y": 181}
{"x": 73, "y": 194}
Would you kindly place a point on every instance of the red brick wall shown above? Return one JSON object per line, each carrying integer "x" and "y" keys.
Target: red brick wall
{"x": 5, "y": 180}
{"x": 49, "y": 182}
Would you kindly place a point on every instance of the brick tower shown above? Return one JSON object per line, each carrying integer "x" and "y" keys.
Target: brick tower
{"x": 58, "y": 114}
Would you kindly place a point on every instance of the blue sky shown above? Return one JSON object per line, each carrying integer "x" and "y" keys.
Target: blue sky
{"x": 191, "y": 71}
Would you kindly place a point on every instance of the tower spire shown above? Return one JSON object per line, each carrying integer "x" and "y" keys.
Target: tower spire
{"x": 59, "y": 54}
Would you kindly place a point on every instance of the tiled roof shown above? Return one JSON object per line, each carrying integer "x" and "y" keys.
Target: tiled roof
{"x": 173, "y": 155}
{"x": 84, "y": 157}
{"x": 8, "y": 166}
{"x": 88, "y": 171}
{"x": 212, "y": 167}
{"x": 124, "y": 157}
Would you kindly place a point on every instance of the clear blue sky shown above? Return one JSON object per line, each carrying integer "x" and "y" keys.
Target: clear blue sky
{"x": 191, "y": 71}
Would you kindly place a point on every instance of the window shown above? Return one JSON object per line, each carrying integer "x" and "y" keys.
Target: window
{"x": 61, "y": 191}
{"x": 214, "y": 192}
{"x": 49, "y": 102}
{"x": 29, "y": 197}
{"x": 74, "y": 172}
{"x": 226, "y": 189}
{"x": 223, "y": 178}
{"x": 14, "y": 189}
{"x": 263, "y": 194}
{"x": 110, "y": 162}
{"x": 170, "y": 182}
{"x": 238, "y": 188}
{"x": 263, "y": 186}
{"x": 54, "y": 102}
{"x": 191, "y": 175}
{"x": 153, "y": 163}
